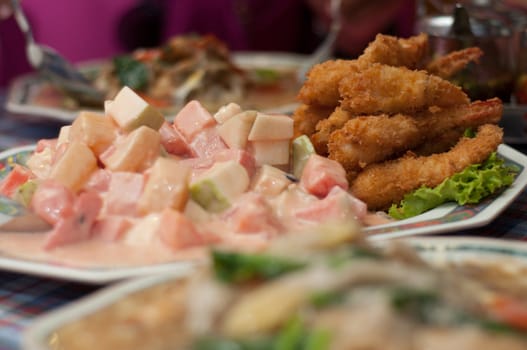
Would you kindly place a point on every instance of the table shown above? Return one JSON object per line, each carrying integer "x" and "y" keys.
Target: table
{"x": 23, "y": 297}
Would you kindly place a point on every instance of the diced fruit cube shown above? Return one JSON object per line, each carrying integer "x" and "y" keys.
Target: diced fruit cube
{"x": 321, "y": 174}
{"x": 64, "y": 135}
{"x": 111, "y": 228}
{"x": 52, "y": 201}
{"x": 269, "y": 180}
{"x": 130, "y": 111}
{"x": 235, "y": 131}
{"x": 41, "y": 161}
{"x": 99, "y": 181}
{"x": 206, "y": 143}
{"x": 16, "y": 178}
{"x": 226, "y": 112}
{"x": 77, "y": 226}
{"x": 192, "y": 119}
{"x": 195, "y": 212}
{"x": 243, "y": 157}
{"x": 215, "y": 189}
{"x": 136, "y": 152}
{"x": 75, "y": 166}
{"x": 271, "y": 127}
{"x": 167, "y": 186}
{"x": 178, "y": 232}
{"x": 124, "y": 191}
{"x": 251, "y": 214}
{"x": 338, "y": 205}
{"x": 144, "y": 231}
{"x": 24, "y": 193}
{"x": 302, "y": 150}
{"x": 270, "y": 152}
{"x": 95, "y": 130}
{"x": 172, "y": 141}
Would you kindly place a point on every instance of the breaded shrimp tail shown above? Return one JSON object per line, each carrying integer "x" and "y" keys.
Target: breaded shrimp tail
{"x": 394, "y": 51}
{"x": 306, "y": 117}
{"x": 386, "y": 89}
{"x": 380, "y": 185}
{"x": 325, "y": 127}
{"x": 371, "y": 139}
{"x": 449, "y": 64}
{"x": 321, "y": 85}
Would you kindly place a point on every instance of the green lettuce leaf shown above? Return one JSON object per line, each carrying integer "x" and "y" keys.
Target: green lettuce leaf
{"x": 466, "y": 187}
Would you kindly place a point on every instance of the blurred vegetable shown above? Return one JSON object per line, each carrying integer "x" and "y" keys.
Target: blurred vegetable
{"x": 238, "y": 267}
{"x": 294, "y": 336}
{"x": 131, "y": 72}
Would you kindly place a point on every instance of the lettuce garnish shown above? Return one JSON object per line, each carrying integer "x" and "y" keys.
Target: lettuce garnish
{"x": 466, "y": 187}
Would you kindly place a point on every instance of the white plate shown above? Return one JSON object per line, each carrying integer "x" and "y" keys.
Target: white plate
{"x": 445, "y": 218}
{"x": 451, "y": 217}
{"x": 436, "y": 250}
{"x": 23, "y": 89}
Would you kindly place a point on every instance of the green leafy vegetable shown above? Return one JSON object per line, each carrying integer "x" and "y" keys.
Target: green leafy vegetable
{"x": 418, "y": 303}
{"x": 324, "y": 299}
{"x": 294, "y": 336}
{"x": 214, "y": 343}
{"x": 265, "y": 76}
{"x": 238, "y": 267}
{"x": 466, "y": 187}
{"x": 352, "y": 252}
{"x": 131, "y": 72}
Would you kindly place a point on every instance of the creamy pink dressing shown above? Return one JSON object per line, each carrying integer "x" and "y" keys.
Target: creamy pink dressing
{"x": 93, "y": 253}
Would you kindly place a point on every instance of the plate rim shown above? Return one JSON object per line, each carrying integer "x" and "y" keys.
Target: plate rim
{"x": 33, "y": 337}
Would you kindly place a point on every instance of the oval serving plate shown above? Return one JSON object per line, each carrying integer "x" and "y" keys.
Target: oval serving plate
{"x": 446, "y": 218}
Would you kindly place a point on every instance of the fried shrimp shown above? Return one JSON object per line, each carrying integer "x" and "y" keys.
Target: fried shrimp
{"x": 395, "y": 51}
{"x": 325, "y": 127}
{"x": 451, "y": 63}
{"x": 365, "y": 140}
{"x": 380, "y": 185}
{"x": 306, "y": 117}
{"x": 385, "y": 89}
{"x": 321, "y": 85}
{"x": 370, "y": 139}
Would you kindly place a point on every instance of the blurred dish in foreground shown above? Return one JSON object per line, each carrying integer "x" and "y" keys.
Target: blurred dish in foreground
{"x": 334, "y": 291}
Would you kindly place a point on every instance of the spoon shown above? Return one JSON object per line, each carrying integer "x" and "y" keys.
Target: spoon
{"x": 55, "y": 67}
{"x": 325, "y": 50}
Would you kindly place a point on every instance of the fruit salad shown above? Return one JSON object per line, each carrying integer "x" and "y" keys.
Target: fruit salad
{"x": 130, "y": 177}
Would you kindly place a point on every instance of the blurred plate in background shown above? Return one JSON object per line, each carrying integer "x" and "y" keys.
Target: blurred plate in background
{"x": 33, "y": 97}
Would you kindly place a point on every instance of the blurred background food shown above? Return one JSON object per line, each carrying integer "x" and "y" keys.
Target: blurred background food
{"x": 497, "y": 28}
